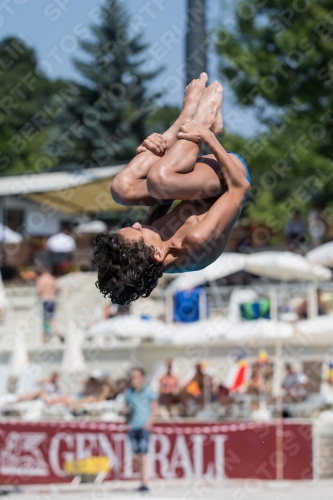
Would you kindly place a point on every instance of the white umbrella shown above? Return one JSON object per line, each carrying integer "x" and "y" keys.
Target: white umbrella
{"x": 73, "y": 358}
{"x": 7, "y": 235}
{"x": 285, "y": 266}
{"x": 131, "y": 326}
{"x": 61, "y": 243}
{"x": 214, "y": 330}
{"x": 3, "y": 297}
{"x": 92, "y": 227}
{"x": 200, "y": 332}
{"x": 19, "y": 357}
{"x": 259, "y": 329}
{"x": 322, "y": 255}
{"x": 321, "y": 325}
{"x": 226, "y": 264}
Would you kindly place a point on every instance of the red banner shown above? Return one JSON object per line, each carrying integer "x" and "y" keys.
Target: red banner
{"x": 34, "y": 453}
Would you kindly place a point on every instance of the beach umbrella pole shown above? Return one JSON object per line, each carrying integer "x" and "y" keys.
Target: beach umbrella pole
{"x": 312, "y": 308}
{"x": 278, "y": 367}
{"x": 168, "y": 306}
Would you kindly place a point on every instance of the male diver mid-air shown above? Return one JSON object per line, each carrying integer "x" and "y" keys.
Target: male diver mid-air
{"x": 212, "y": 190}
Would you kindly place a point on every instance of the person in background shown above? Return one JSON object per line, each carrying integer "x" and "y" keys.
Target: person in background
{"x": 317, "y": 230}
{"x": 61, "y": 247}
{"x": 295, "y": 231}
{"x": 256, "y": 384}
{"x": 104, "y": 392}
{"x": 317, "y": 224}
{"x": 294, "y": 385}
{"x": 197, "y": 390}
{"x": 97, "y": 388}
{"x": 49, "y": 389}
{"x": 142, "y": 406}
{"x": 269, "y": 374}
{"x": 169, "y": 388}
{"x": 112, "y": 310}
{"x": 302, "y": 309}
{"x": 46, "y": 285}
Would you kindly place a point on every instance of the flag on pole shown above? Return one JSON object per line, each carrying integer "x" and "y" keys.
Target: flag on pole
{"x": 238, "y": 375}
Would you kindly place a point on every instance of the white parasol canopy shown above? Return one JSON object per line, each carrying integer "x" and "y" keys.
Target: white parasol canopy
{"x": 275, "y": 265}
{"x": 206, "y": 331}
{"x": 3, "y": 298}
{"x": 7, "y": 235}
{"x": 285, "y": 266}
{"x": 19, "y": 358}
{"x": 200, "y": 332}
{"x": 320, "y": 325}
{"x": 260, "y": 328}
{"x": 322, "y": 255}
{"x": 131, "y": 326}
{"x": 92, "y": 227}
{"x": 73, "y": 358}
{"x": 61, "y": 243}
{"x": 226, "y": 264}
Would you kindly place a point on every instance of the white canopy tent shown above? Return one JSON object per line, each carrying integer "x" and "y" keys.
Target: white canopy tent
{"x": 70, "y": 192}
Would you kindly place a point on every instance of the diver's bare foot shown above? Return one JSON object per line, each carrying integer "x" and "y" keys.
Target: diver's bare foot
{"x": 218, "y": 124}
{"x": 193, "y": 94}
{"x": 209, "y": 104}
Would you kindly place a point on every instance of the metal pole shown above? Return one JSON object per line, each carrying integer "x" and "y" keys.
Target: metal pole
{"x": 312, "y": 305}
{"x": 278, "y": 367}
{"x": 196, "y": 39}
{"x": 2, "y": 221}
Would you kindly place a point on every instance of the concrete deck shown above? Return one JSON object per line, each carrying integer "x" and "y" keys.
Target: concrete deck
{"x": 185, "y": 489}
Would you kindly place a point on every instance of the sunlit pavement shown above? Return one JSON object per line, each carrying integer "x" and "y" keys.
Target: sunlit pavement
{"x": 185, "y": 489}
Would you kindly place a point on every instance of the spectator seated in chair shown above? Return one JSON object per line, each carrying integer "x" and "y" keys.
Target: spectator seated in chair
{"x": 169, "y": 388}
{"x": 256, "y": 384}
{"x": 294, "y": 385}
{"x": 196, "y": 389}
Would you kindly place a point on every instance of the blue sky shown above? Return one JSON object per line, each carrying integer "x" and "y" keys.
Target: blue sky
{"x": 52, "y": 28}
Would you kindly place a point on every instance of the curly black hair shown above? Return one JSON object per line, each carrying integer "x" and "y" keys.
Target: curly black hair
{"x": 126, "y": 269}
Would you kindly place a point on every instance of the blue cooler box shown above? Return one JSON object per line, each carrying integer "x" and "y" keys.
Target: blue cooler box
{"x": 190, "y": 305}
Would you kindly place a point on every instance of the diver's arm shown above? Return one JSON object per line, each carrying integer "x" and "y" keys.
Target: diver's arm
{"x": 228, "y": 206}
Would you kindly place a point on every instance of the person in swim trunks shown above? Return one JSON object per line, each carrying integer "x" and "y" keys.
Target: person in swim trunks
{"x": 212, "y": 190}
{"x": 46, "y": 290}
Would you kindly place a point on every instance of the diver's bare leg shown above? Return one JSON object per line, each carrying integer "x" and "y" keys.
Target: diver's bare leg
{"x": 130, "y": 186}
{"x": 178, "y": 175}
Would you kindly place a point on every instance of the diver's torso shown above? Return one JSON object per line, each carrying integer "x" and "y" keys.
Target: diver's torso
{"x": 176, "y": 225}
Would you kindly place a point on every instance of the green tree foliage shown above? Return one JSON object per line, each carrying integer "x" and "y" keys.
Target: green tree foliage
{"x": 161, "y": 118}
{"x": 278, "y": 59}
{"x": 24, "y": 92}
{"x": 106, "y": 122}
